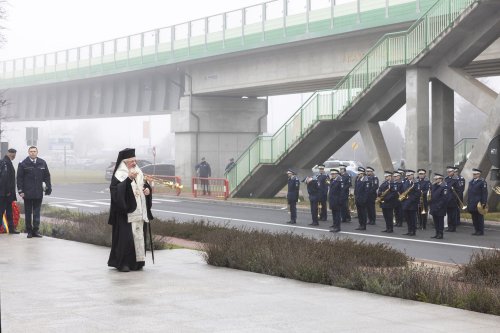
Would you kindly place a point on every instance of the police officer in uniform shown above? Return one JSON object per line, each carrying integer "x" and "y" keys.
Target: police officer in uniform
{"x": 425, "y": 185}
{"x": 451, "y": 211}
{"x": 370, "y": 204}
{"x": 398, "y": 210}
{"x": 362, "y": 188}
{"x": 323, "y": 186}
{"x": 388, "y": 194}
{"x": 315, "y": 194}
{"x": 410, "y": 201}
{"x": 438, "y": 204}
{"x": 478, "y": 194}
{"x": 335, "y": 198}
{"x": 345, "y": 214}
{"x": 460, "y": 193}
{"x": 292, "y": 195}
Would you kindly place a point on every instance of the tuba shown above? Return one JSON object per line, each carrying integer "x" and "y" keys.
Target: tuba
{"x": 483, "y": 210}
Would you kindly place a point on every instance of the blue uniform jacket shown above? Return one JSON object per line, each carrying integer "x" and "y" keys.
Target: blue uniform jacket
{"x": 314, "y": 190}
{"x": 411, "y": 203}
{"x": 391, "y": 198}
{"x": 362, "y": 189}
{"x": 335, "y": 197}
{"x": 293, "y": 189}
{"x": 478, "y": 192}
{"x": 452, "y": 183}
{"x": 425, "y": 185}
{"x": 30, "y": 177}
{"x": 323, "y": 186}
{"x": 374, "y": 186}
{"x": 439, "y": 200}
{"x": 347, "y": 183}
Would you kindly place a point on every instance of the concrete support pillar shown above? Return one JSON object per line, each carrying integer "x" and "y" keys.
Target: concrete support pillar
{"x": 417, "y": 117}
{"x": 443, "y": 127}
{"x": 216, "y": 128}
{"x": 378, "y": 154}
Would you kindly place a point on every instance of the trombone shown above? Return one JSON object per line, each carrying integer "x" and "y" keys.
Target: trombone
{"x": 461, "y": 203}
{"x": 164, "y": 182}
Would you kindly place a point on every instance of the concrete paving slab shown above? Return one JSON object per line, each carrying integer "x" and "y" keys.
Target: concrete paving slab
{"x": 52, "y": 285}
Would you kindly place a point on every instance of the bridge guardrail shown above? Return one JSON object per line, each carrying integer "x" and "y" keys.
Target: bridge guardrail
{"x": 394, "y": 49}
{"x": 214, "y": 187}
{"x": 265, "y": 24}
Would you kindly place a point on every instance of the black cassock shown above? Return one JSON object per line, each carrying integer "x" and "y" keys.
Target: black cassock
{"x": 122, "y": 244}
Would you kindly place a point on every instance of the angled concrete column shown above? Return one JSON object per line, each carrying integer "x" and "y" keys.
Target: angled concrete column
{"x": 417, "y": 117}
{"x": 443, "y": 127}
{"x": 378, "y": 155}
{"x": 216, "y": 128}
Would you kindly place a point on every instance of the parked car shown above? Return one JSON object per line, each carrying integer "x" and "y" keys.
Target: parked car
{"x": 159, "y": 169}
{"x": 352, "y": 166}
{"x": 111, "y": 167}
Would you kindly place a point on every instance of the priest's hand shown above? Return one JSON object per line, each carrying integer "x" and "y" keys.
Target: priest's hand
{"x": 146, "y": 191}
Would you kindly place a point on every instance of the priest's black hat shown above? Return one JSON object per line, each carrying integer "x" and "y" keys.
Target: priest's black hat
{"x": 123, "y": 155}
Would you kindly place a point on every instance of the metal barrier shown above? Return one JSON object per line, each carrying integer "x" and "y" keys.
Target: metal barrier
{"x": 215, "y": 187}
{"x": 161, "y": 184}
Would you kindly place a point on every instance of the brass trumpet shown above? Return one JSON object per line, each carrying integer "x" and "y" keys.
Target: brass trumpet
{"x": 164, "y": 182}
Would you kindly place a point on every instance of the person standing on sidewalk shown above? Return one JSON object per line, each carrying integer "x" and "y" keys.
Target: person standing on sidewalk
{"x": 32, "y": 173}
{"x": 292, "y": 195}
{"x": 204, "y": 172}
{"x": 478, "y": 195}
{"x": 8, "y": 188}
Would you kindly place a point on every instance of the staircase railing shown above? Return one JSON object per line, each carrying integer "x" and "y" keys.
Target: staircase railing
{"x": 394, "y": 49}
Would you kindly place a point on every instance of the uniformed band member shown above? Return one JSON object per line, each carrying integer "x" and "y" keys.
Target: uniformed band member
{"x": 425, "y": 185}
{"x": 345, "y": 214}
{"x": 335, "y": 198}
{"x": 398, "y": 210}
{"x": 478, "y": 194}
{"x": 292, "y": 195}
{"x": 451, "y": 210}
{"x": 314, "y": 196}
{"x": 410, "y": 201}
{"x": 323, "y": 186}
{"x": 362, "y": 189}
{"x": 372, "y": 196}
{"x": 438, "y": 204}
{"x": 460, "y": 194}
{"x": 388, "y": 197}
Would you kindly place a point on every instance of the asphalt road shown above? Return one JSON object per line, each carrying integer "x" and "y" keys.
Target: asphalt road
{"x": 455, "y": 248}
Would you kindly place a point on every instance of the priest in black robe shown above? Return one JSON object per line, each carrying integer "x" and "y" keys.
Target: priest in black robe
{"x": 130, "y": 213}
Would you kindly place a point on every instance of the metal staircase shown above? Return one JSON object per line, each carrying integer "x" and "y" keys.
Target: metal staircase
{"x": 328, "y": 119}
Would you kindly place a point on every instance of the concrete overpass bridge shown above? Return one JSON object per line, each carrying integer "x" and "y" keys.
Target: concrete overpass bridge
{"x": 200, "y": 70}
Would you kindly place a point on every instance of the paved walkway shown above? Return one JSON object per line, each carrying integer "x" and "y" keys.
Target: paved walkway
{"x": 52, "y": 285}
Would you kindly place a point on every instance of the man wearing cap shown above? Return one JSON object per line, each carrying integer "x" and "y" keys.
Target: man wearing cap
{"x": 372, "y": 196}
{"x": 315, "y": 194}
{"x": 362, "y": 188}
{"x": 229, "y": 166}
{"x": 345, "y": 214}
{"x": 425, "y": 185}
{"x": 438, "y": 204}
{"x": 409, "y": 202}
{"x": 129, "y": 213}
{"x": 460, "y": 194}
{"x": 32, "y": 173}
{"x": 292, "y": 195}
{"x": 335, "y": 198}
{"x": 478, "y": 194}
{"x": 398, "y": 210}
{"x": 8, "y": 189}
{"x": 323, "y": 186}
{"x": 388, "y": 194}
{"x": 451, "y": 210}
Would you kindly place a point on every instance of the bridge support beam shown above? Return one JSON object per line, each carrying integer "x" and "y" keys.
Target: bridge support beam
{"x": 216, "y": 128}
{"x": 376, "y": 148}
{"x": 443, "y": 126}
{"x": 417, "y": 117}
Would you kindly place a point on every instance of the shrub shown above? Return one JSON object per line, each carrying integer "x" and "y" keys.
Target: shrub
{"x": 483, "y": 267}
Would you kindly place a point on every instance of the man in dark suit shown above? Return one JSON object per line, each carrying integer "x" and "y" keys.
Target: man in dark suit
{"x": 438, "y": 204}
{"x": 478, "y": 194}
{"x": 362, "y": 189}
{"x": 32, "y": 173}
{"x": 335, "y": 198}
{"x": 8, "y": 189}
{"x": 292, "y": 195}
{"x": 315, "y": 195}
{"x": 323, "y": 187}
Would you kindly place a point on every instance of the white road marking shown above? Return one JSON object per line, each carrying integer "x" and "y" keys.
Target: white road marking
{"x": 83, "y": 205}
{"x": 101, "y": 203}
{"x": 62, "y": 206}
{"x": 166, "y": 200}
{"x": 324, "y": 230}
